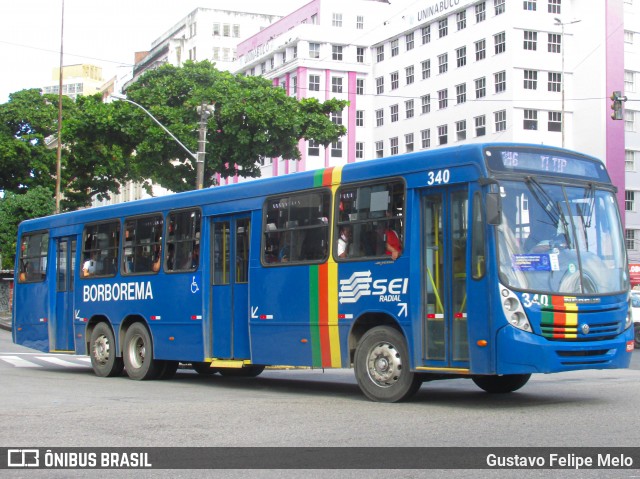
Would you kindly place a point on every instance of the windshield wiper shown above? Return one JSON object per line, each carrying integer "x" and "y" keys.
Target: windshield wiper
{"x": 551, "y": 208}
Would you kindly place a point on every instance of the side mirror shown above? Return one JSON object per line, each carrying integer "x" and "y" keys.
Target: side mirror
{"x": 494, "y": 208}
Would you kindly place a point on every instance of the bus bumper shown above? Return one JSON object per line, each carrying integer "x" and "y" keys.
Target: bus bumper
{"x": 519, "y": 352}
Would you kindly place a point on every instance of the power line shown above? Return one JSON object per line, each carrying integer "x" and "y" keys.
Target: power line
{"x": 57, "y": 52}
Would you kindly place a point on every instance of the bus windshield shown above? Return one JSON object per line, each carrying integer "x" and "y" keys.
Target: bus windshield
{"x": 560, "y": 239}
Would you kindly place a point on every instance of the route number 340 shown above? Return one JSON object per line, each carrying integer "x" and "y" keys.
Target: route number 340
{"x": 438, "y": 177}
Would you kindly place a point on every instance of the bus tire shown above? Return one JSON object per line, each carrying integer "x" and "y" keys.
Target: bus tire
{"x": 104, "y": 359}
{"x": 501, "y": 384}
{"x": 245, "y": 372}
{"x": 137, "y": 353}
{"x": 636, "y": 334}
{"x": 382, "y": 368}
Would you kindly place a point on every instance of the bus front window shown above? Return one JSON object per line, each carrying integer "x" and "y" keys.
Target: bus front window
{"x": 560, "y": 239}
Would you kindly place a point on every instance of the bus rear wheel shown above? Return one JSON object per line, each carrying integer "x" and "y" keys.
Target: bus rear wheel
{"x": 138, "y": 354}
{"x": 501, "y": 384}
{"x": 381, "y": 366}
{"x": 104, "y": 359}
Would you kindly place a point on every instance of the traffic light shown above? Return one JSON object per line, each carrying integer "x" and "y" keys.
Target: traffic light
{"x": 616, "y": 106}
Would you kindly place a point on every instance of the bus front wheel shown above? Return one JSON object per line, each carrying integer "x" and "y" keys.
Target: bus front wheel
{"x": 381, "y": 366}
{"x": 104, "y": 359}
{"x": 138, "y": 354}
{"x": 501, "y": 384}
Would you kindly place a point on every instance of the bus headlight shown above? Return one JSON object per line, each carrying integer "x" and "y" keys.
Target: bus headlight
{"x": 513, "y": 310}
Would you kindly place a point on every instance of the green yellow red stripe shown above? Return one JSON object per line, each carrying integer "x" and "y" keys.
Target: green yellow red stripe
{"x": 323, "y": 292}
{"x": 560, "y": 319}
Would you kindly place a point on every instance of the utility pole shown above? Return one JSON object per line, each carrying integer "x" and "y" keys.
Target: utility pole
{"x": 205, "y": 112}
{"x": 59, "y": 146}
{"x": 563, "y": 46}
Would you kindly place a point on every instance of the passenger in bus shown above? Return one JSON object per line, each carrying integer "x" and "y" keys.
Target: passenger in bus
{"x": 89, "y": 266}
{"x": 193, "y": 261}
{"x": 284, "y": 255}
{"x": 344, "y": 241}
{"x": 391, "y": 240}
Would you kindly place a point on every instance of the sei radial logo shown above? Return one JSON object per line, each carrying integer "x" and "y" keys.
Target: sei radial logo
{"x": 361, "y": 284}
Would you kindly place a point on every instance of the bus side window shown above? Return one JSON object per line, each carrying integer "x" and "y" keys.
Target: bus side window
{"x": 183, "y": 240}
{"x": 478, "y": 239}
{"x": 32, "y": 262}
{"x": 142, "y": 245}
{"x": 100, "y": 249}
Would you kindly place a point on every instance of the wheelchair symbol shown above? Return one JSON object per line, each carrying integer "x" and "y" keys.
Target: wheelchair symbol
{"x": 194, "y": 286}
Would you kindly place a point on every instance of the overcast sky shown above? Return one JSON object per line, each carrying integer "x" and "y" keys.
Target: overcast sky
{"x": 102, "y": 33}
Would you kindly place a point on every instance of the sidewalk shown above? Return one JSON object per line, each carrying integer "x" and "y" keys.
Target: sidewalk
{"x": 5, "y": 320}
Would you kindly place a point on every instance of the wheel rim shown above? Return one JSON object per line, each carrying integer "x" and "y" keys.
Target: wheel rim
{"x": 384, "y": 365}
{"x": 101, "y": 349}
{"x": 137, "y": 351}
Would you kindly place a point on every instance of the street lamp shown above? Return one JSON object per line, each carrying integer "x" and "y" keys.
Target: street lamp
{"x": 204, "y": 111}
{"x": 562, "y": 47}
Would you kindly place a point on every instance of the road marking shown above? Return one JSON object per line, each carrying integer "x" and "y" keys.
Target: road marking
{"x": 57, "y": 361}
{"x": 19, "y": 362}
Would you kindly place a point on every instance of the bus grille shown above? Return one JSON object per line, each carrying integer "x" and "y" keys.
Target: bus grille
{"x": 597, "y": 332}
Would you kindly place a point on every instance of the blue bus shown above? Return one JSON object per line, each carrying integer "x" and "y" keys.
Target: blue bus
{"x": 488, "y": 261}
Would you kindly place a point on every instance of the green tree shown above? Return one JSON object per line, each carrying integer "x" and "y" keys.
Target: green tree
{"x": 252, "y": 120}
{"x": 14, "y": 208}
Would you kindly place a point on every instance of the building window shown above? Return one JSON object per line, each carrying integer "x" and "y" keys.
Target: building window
{"x": 425, "y": 137}
{"x": 359, "y": 150}
{"x": 359, "y": 117}
{"x": 314, "y": 148}
{"x": 226, "y": 30}
{"x": 630, "y": 239}
{"x": 426, "y": 34}
{"x": 629, "y": 81}
{"x": 336, "y": 52}
{"x": 480, "y": 122}
{"x": 530, "y": 40}
{"x": 442, "y": 99}
{"x": 481, "y": 49}
{"x": 500, "y": 81}
{"x": 314, "y": 82}
{"x": 481, "y": 12}
{"x": 630, "y": 160}
{"x": 360, "y": 54}
{"x": 442, "y": 134}
{"x": 628, "y": 37}
{"x": 336, "y": 118}
{"x": 629, "y": 120}
{"x": 530, "y": 79}
{"x": 555, "y": 81}
{"x": 426, "y": 69}
{"x": 408, "y": 142}
{"x": 555, "y": 121}
{"x": 395, "y": 81}
{"x": 394, "y": 113}
{"x": 530, "y": 120}
{"x": 409, "y": 40}
{"x": 443, "y": 27}
{"x": 236, "y": 31}
{"x": 426, "y": 104}
{"x": 359, "y": 22}
{"x": 461, "y": 130}
{"x": 380, "y": 53}
{"x": 216, "y": 29}
{"x": 336, "y": 84}
{"x": 379, "y": 117}
{"x": 393, "y": 142}
{"x": 409, "y": 74}
{"x": 461, "y": 93}
{"x": 336, "y": 149}
{"x": 554, "y": 6}
{"x": 481, "y": 87}
{"x": 443, "y": 63}
{"x": 379, "y": 149}
{"x": 336, "y": 20}
{"x": 530, "y": 5}
{"x": 360, "y": 86}
{"x": 500, "y": 42}
{"x": 555, "y": 41}
{"x": 499, "y": 6}
{"x": 500, "y": 118}
{"x": 294, "y": 85}
{"x": 461, "y": 56}
{"x": 380, "y": 85}
{"x": 395, "y": 50}
{"x": 408, "y": 106}
{"x": 629, "y": 200}
{"x": 461, "y": 20}
{"x": 314, "y": 50}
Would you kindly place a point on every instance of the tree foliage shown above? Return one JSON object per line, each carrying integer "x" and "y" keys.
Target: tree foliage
{"x": 14, "y": 208}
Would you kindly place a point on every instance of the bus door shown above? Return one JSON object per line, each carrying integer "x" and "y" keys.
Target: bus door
{"x": 444, "y": 239}
{"x": 230, "y": 286}
{"x": 65, "y": 267}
